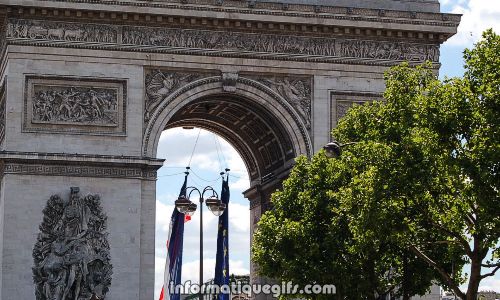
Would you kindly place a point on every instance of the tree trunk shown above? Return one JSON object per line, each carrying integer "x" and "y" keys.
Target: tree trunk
{"x": 475, "y": 276}
{"x": 406, "y": 293}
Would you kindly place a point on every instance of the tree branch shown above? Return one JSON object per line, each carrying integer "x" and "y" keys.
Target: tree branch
{"x": 440, "y": 270}
{"x": 460, "y": 238}
{"x": 490, "y": 273}
{"x": 490, "y": 265}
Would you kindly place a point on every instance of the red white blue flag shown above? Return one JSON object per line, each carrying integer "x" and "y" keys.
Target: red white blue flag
{"x": 173, "y": 265}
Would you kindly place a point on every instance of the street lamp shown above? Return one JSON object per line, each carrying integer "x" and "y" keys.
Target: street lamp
{"x": 187, "y": 207}
{"x": 334, "y": 148}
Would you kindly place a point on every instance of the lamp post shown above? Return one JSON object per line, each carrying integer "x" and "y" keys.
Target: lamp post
{"x": 334, "y": 148}
{"x": 187, "y": 207}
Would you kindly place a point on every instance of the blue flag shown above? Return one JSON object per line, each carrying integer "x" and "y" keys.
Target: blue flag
{"x": 173, "y": 266}
{"x": 222, "y": 259}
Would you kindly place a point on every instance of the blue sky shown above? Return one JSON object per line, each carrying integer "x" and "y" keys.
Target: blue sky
{"x": 207, "y": 163}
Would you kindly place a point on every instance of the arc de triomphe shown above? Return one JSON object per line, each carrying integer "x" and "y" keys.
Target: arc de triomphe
{"x": 87, "y": 87}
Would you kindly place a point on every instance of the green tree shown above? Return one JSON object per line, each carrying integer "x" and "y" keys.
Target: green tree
{"x": 412, "y": 201}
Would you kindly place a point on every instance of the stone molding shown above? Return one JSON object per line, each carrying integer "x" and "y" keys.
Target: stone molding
{"x": 75, "y": 165}
{"x": 296, "y": 90}
{"x": 218, "y": 43}
{"x": 3, "y": 33}
{"x": 199, "y": 81}
{"x": 3, "y": 99}
{"x": 290, "y": 10}
{"x": 73, "y": 105}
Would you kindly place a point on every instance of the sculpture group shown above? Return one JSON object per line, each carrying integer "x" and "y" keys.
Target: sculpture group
{"x": 75, "y": 105}
{"x": 71, "y": 255}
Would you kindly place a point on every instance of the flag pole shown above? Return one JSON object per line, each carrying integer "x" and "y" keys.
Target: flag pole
{"x": 200, "y": 297}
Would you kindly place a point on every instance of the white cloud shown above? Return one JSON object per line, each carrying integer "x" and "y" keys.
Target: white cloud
{"x": 478, "y": 15}
{"x": 490, "y": 284}
{"x": 239, "y": 218}
{"x": 176, "y": 146}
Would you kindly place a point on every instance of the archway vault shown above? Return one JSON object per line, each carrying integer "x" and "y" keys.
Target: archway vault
{"x": 260, "y": 124}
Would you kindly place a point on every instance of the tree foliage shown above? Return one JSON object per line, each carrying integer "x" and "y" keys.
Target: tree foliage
{"x": 413, "y": 201}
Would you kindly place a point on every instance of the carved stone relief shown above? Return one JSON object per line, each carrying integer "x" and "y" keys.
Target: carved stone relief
{"x": 217, "y": 43}
{"x": 297, "y": 91}
{"x": 71, "y": 255}
{"x": 67, "y": 104}
{"x": 161, "y": 83}
{"x": 341, "y": 102}
{"x": 80, "y": 105}
{"x": 344, "y": 106}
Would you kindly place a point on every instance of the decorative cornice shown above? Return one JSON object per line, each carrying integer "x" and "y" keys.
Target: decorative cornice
{"x": 79, "y": 165}
{"x": 3, "y": 99}
{"x": 218, "y": 43}
{"x": 280, "y": 9}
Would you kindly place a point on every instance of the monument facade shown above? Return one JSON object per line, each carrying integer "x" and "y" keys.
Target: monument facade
{"x": 87, "y": 87}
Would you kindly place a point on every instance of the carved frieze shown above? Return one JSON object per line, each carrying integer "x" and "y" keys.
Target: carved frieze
{"x": 273, "y": 43}
{"x": 297, "y": 91}
{"x": 75, "y": 105}
{"x": 161, "y": 83}
{"x": 71, "y": 255}
{"x": 78, "y": 171}
{"x": 217, "y": 43}
{"x": 58, "y": 31}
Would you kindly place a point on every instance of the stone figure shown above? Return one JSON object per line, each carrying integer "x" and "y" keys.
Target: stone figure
{"x": 93, "y": 106}
{"x": 71, "y": 255}
{"x": 160, "y": 84}
{"x": 296, "y": 91}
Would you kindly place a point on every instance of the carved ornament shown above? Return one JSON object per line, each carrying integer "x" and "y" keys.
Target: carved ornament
{"x": 297, "y": 91}
{"x": 161, "y": 83}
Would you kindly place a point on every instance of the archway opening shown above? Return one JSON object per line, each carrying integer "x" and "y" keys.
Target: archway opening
{"x": 212, "y": 154}
{"x": 266, "y": 133}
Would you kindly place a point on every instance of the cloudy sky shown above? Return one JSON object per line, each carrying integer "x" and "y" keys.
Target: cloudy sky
{"x": 177, "y": 144}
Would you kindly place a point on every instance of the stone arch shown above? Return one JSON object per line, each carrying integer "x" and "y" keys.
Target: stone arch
{"x": 262, "y": 126}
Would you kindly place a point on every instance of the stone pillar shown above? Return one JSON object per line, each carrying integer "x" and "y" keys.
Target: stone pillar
{"x": 259, "y": 196}
{"x": 126, "y": 188}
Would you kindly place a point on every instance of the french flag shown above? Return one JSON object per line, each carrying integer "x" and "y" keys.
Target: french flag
{"x": 173, "y": 265}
